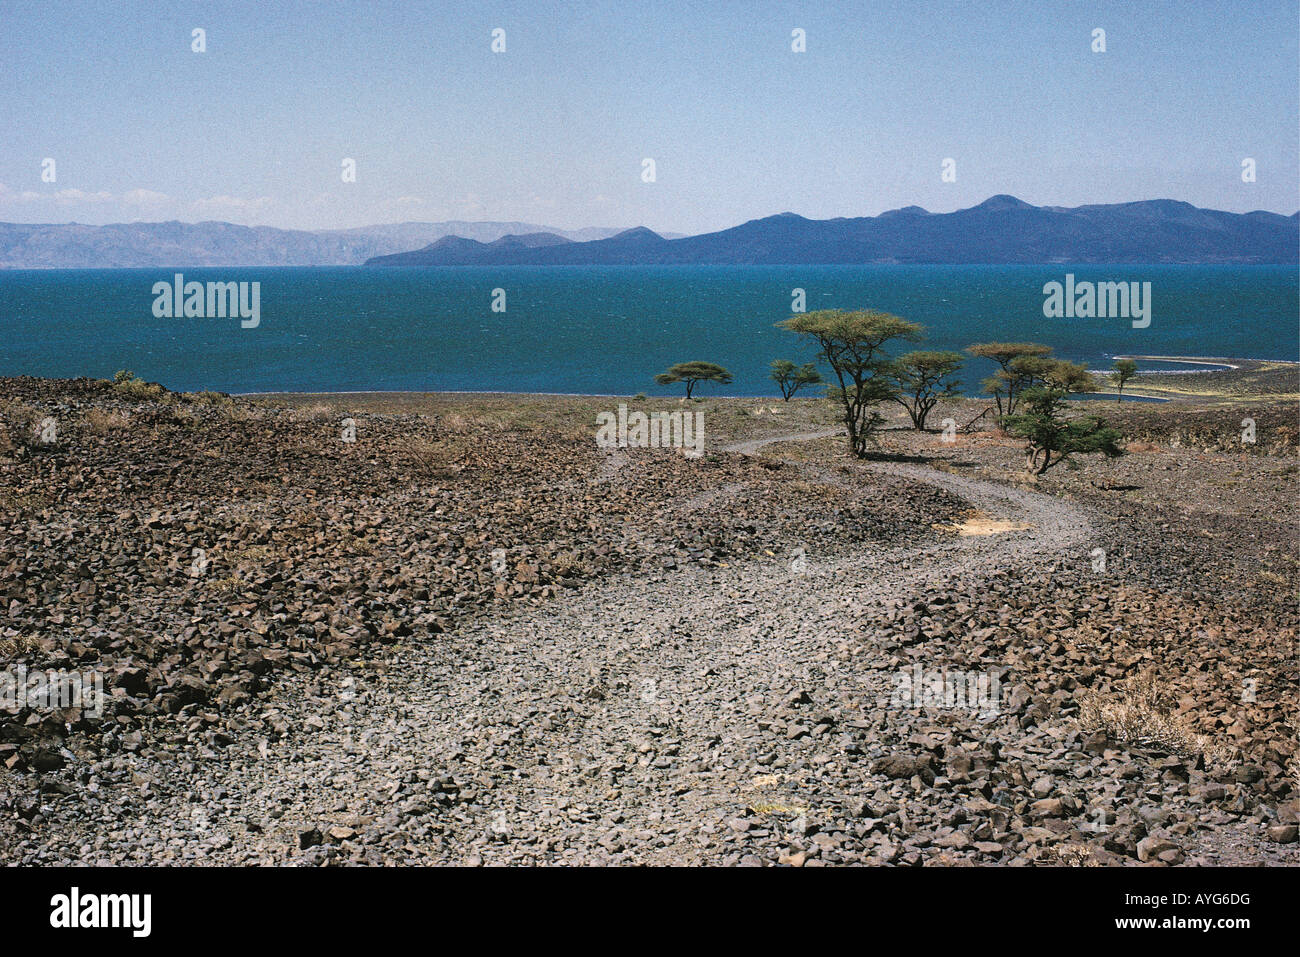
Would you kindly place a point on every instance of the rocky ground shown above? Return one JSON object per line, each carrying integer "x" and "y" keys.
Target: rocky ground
{"x": 672, "y": 661}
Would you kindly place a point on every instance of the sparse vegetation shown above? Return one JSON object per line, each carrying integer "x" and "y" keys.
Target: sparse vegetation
{"x": 1053, "y": 437}
{"x": 1125, "y": 369}
{"x": 693, "y": 373}
{"x": 20, "y": 426}
{"x": 1140, "y": 712}
{"x": 790, "y": 378}
{"x": 19, "y": 645}
{"x": 103, "y": 421}
{"x": 126, "y": 383}
{"x": 1014, "y": 373}
{"x": 853, "y": 344}
{"x": 367, "y": 544}
{"x": 923, "y": 379}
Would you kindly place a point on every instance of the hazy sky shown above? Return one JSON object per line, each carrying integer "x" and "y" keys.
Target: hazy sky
{"x": 555, "y": 129}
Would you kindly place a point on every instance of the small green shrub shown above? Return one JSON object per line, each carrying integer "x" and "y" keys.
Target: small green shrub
{"x": 126, "y": 383}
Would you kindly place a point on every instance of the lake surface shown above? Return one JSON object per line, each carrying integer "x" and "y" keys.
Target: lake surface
{"x": 598, "y": 330}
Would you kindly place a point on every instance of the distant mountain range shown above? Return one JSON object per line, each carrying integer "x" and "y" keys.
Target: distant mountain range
{"x": 72, "y": 245}
{"x": 1002, "y": 229}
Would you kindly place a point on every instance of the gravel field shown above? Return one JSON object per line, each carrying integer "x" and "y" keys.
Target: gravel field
{"x": 471, "y": 637}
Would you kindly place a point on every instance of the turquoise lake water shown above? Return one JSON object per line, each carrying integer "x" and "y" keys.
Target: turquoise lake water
{"x": 600, "y": 330}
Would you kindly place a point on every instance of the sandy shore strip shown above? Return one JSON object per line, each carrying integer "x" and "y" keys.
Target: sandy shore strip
{"x": 1216, "y": 365}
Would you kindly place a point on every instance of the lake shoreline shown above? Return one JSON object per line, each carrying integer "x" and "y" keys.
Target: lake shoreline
{"x": 1241, "y": 379}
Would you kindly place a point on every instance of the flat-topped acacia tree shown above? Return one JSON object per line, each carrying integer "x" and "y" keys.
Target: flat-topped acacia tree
{"x": 852, "y": 344}
{"x": 790, "y": 378}
{"x": 923, "y": 379}
{"x": 1009, "y": 381}
{"x": 693, "y": 373}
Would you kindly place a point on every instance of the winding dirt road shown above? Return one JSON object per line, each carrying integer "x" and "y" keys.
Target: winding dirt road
{"x": 633, "y": 720}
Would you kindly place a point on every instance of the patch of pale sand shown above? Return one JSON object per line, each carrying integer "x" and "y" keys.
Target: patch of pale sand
{"x": 978, "y": 523}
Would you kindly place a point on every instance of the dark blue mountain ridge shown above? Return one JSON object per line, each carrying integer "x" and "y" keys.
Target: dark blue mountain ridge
{"x": 1000, "y": 230}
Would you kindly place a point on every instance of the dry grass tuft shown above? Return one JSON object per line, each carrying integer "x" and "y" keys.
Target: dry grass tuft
{"x": 568, "y": 563}
{"x": 102, "y": 421}
{"x": 139, "y": 389}
{"x": 1140, "y": 712}
{"x": 21, "y": 645}
{"x": 1072, "y": 855}
{"x": 22, "y": 418}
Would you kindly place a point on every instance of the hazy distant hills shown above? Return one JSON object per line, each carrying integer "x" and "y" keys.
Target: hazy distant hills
{"x": 1002, "y": 229}
{"x": 71, "y": 245}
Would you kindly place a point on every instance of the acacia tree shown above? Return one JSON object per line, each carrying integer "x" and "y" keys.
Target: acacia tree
{"x": 1125, "y": 369}
{"x": 923, "y": 379}
{"x": 1009, "y": 381}
{"x": 692, "y": 373}
{"x": 852, "y": 344}
{"x": 790, "y": 378}
{"x": 1053, "y": 438}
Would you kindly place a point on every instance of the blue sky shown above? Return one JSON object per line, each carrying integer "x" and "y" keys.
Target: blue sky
{"x": 555, "y": 129}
